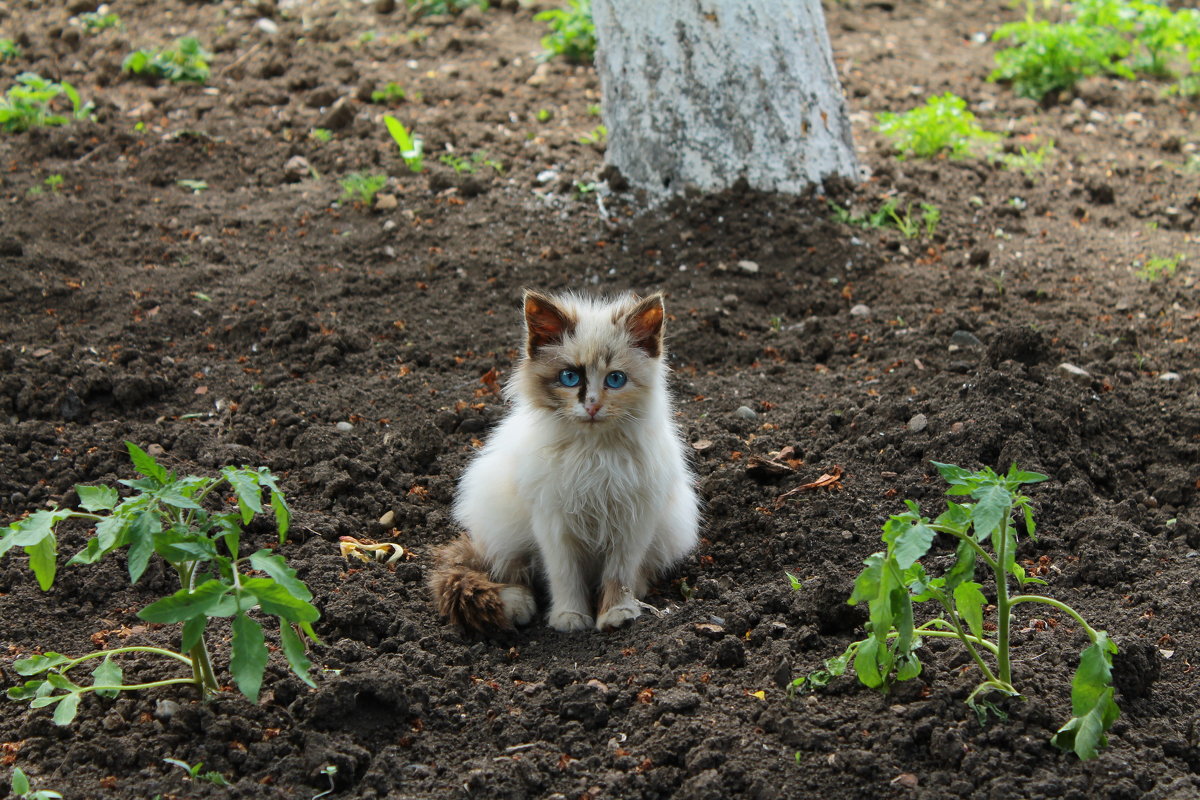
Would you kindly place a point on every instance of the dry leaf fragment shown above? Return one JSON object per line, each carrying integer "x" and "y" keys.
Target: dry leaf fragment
{"x": 830, "y": 480}
{"x": 765, "y": 469}
{"x": 491, "y": 379}
{"x": 368, "y": 550}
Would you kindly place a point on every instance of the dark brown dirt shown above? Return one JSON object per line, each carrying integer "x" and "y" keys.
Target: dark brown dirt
{"x": 242, "y": 323}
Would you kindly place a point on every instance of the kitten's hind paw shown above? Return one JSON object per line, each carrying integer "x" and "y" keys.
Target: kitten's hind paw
{"x": 568, "y": 621}
{"x": 519, "y": 605}
{"x": 617, "y": 616}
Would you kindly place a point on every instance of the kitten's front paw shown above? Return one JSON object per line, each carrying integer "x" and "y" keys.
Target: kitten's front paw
{"x": 617, "y": 616}
{"x": 568, "y": 621}
{"x": 519, "y": 605}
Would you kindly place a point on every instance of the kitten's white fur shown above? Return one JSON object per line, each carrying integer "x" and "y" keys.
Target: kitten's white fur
{"x": 591, "y": 502}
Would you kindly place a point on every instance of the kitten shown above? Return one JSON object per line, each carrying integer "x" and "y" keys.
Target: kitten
{"x": 585, "y": 480}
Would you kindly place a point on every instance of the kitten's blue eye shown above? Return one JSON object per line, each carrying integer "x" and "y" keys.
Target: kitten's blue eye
{"x": 615, "y": 379}
{"x": 568, "y": 377}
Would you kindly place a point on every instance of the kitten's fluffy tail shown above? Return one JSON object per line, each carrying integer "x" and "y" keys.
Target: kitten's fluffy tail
{"x": 463, "y": 591}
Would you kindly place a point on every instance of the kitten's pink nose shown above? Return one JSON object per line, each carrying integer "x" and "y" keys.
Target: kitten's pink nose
{"x": 592, "y": 409}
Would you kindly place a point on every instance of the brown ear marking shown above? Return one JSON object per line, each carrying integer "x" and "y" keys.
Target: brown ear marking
{"x": 545, "y": 322}
{"x": 645, "y": 323}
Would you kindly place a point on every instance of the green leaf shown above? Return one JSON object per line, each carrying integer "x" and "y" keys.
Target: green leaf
{"x": 35, "y": 664}
{"x": 113, "y": 532}
{"x": 20, "y": 783}
{"x": 968, "y": 604}
{"x": 67, "y": 709}
{"x": 912, "y": 543}
{"x": 232, "y": 604}
{"x": 793, "y": 581}
{"x": 866, "y": 585}
{"x": 141, "y": 542}
{"x": 1091, "y": 701}
{"x": 866, "y": 663}
{"x": 43, "y": 561}
{"x": 27, "y": 691}
{"x": 107, "y": 674}
{"x": 293, "y": 648}
{"x": 32, "y": 530}
{"x": 956, "y": 516}
{"x": 193, "y": 632}
{"x": 990, "y": 510}
{"x": 1030, "y": 527}
{"x": 908, "y": 667}
{"x": 249, "y": 493}
{"x": 249, "y": 656}
{"x": 184, "y": 605}
{"x": 275, "y": 566}
{"x": 97, "y": 498}
{"x": 1016, "y": 477}
{"x": 173, "y": 497}
{"x": 952, "y": 474}
{"x": 964, "y": 565}
{"x": 283, "y": 514}
{"x": 145, "y": 464}
{"x": 273, "y": 598}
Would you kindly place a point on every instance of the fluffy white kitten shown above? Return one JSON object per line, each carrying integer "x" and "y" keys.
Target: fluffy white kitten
{"x": 584, "y": 481}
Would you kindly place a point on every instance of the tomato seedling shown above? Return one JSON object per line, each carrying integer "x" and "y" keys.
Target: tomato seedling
{"x": 167, "y": 516}
{"x": 894, "y": 580}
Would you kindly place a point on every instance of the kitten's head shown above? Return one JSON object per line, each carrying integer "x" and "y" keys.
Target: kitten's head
{"x": 594, "y": 362}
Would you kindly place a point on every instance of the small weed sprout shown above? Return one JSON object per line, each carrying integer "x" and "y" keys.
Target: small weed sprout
{"x": 1029, "y": 162}
{"x": 167, "y": 515}
{"x": 457, "y": 163}
{"x": 21, "y": 788}
{"x": 894, "y": 581}
{"x": 888, "y": 215}
{"x": 27, "y": 104}
{"x": 329, "y": 772}
{"x": 194, "y": 773}
{"x": 186, "y": 62}
{"x": 362, "y": 187}
{"x": 597, "y": 135}
{"x": 593, "y": 110}
{"x": 424, "y": 8}
{"x": 1157, "y": 268}
{"x": 583, "y": 189}
{"x": 390, "y": 94}
{"x": 544, "y": 115}
{"x": 572, "y": 32}
{"x": 9, "y": 50}
{"x": 54, "y": 183}
{"x": 193, "y": 186}
{"x": 321, "y": 135}
{"x": 412, "y": 148}
{"x": 931, "y": 215}
{"x": 94, "y": 22}
{"x": 942, "y": 125}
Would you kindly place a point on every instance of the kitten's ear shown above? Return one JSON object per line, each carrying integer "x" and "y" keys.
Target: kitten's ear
{"x": 545, "y": 322}
{"x": 645, "y": 323}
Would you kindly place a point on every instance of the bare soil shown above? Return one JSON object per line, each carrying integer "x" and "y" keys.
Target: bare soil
{"x": 242, "y": 323}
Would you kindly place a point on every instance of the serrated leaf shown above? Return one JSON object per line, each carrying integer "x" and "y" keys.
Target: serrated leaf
{"x": 991, "y": 508}
{"x": 1030, "y": 526}
{"x": 145, "y": 464}
{"x": 141, "y": 543}
{"x": 107, "y": 674}
{"x": 275, "y": 566}
{"x": 1017, "y": 477}
{"x": 951, "y": 473}
{"x": 193, "y": 632}
{"x": 173, "y": 497}
{"x": 276, "y": 600}
{"x": 956, "y": 516}
{"x": 283, "y": 515}
{"x": 968, "y": 604}
{"x": 97, "y": 498}
{"x": 249, "y": 493}
{"x": 912, "y": 543}
{"x": 112, "y": 532}
{"x": 40, "y": 663}
{"x": 90, "y": 553}
{"x": 43, "y": 560}
{"x": 963, "y": 568}
{"x": 66, "y": 710}
{"x": 293, "y": 649}
{"x": 184, "y": 605}
{"x": 31, "y": 530}
{"x": 249, "y": 656}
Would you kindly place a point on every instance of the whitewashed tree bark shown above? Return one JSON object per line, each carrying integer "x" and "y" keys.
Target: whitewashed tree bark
{"x": 704, "y": 92}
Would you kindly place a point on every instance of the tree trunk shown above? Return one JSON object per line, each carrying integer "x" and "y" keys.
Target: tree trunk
{"x": 701, "y": 93}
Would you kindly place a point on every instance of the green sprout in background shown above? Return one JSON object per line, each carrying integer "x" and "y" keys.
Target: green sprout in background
{"x": 572, "y": 32}
{"x": 943, "y": 125}
{"x": 187, "y": 62}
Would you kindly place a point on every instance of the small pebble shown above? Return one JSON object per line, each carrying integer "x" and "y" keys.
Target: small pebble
{"x": 155, "y": 450}
{"x": 861, "y": 310}
{"x": 748, "y": 266}
{"x": 730, "y": 300}
{"x": 1072, "y": 371}
{"x": 546, "y": 176}
{"x": 918, "y": 423}
{"x": 965, "y": 339}
{"x": 745, "y": 412}
{"x": 267, "y": 26}
{"x": 165, "y": 709}
{"x": 386, "y": 202}
{"x": 1170, "y": 377}
{"x": 957, "y": 427}
{"x": 344, "y": 426}
{"x": 387, "y": 519}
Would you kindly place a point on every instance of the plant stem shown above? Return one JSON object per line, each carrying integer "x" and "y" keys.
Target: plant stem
{"x": 1003, "y": 605}
{"x": 1063, "y": 607}
{"x": 118, "y": 650}
{"x": 953, "y": 635}
{"x": 967, "y": 639}
{"x": 979, "y": 551}
{"x": 202, "y": 670}
{"x": 135, "y": 686}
